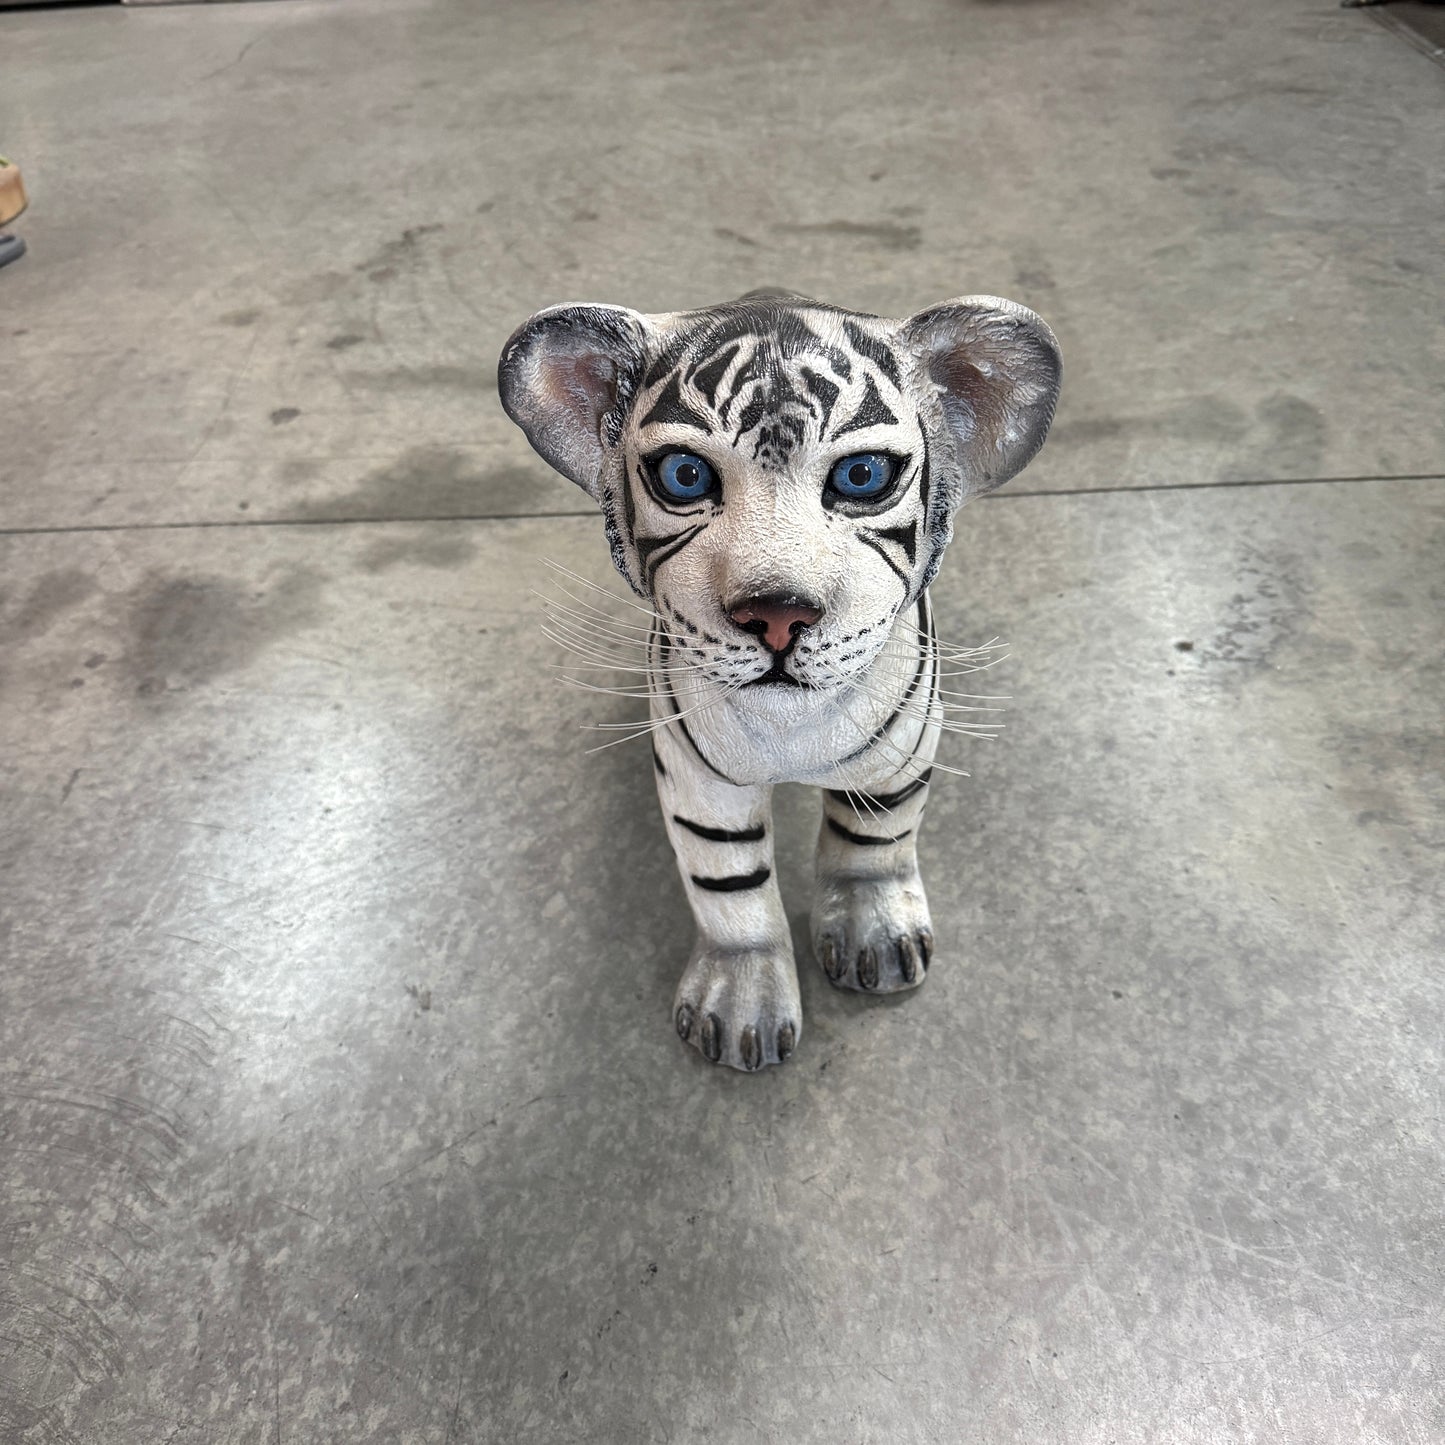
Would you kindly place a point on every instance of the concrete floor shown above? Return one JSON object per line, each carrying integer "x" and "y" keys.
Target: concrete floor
{"x": 338, "y": 1099}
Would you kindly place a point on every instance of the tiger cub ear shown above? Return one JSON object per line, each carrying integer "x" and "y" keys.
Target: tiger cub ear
{"x": 566, "y": 375}
{"x": 997, "y": 369}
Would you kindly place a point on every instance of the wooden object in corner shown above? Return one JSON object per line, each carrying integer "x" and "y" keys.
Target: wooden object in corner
{"x": 12, "y": 192}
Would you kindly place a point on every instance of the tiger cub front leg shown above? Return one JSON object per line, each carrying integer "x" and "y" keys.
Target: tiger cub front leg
{"x": 737, "y": 1002}
{"x": 871, "y": 927}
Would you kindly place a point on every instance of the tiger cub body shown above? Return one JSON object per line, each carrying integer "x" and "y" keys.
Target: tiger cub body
{"x": 778, "y": 480}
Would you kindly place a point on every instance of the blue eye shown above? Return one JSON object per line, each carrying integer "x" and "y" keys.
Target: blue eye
{"x": 864, "y": 474}
{"x": 685, "y": 476}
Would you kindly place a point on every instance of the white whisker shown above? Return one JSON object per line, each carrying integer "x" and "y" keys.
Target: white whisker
{"x": 639, "y": 690}
{"x": 553, "y": 608}
{"x": 906, "y": 760}
{"x": 654, "y": 725}
{"x": 594, "y": 587}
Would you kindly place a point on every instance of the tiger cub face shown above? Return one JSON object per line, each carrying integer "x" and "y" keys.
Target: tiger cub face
{"x": 778, "y": 477}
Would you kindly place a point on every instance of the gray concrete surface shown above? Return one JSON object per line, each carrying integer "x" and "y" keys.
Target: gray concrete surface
{"x": 337, "y": 1095}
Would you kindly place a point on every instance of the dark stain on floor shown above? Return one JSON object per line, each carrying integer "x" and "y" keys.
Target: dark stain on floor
{"x": 52, "y": 596}
{"x": 421, "y": 484}
{"x": 188, "y": 631}
{"x": 425, "y": 550}
{"x": 401, "y": 253}
{"x": 1295, "y": 435}
{"x": 1266, "y": 612}
{"x": 728, "y": 234}
{"x": 1286, "y": 435}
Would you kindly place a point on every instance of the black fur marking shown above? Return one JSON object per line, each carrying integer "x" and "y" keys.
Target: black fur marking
{"x": 657, "y": 763}
{"x": 825, "y": 392}
{"x": 934, "y": 508}
{"x": 905, "y": 537}
{"x": 708, "y": 377}
{"x": 722, "y": 835}
{"x": 671, "y": 408}
{"x": 862, "y": 839}
{"x": 864, "y": 802}
{"x": 753, "y": 413}
{"x": 923, "y": 477}
{"x": 629, "y": 502}
{"x": 659, "y": 368}
{"x": 777, "y": 440}
{"x": 692, "y": 743}
{"x": 925, "y": 617}
{"x": 870, "y": 539}
{"x": 664, "y": 649}
{"x": 875, "y": 351}
{"x": 750, "y": 371}
{"x": 776, "y": 324}
{"x": 737, "y": 883}
{"x": 613, "y": 532}
{"x": 652, "y": 552}
{"x": 872, "y": 411}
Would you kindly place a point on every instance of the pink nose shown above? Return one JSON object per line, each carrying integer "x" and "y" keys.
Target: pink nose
{"x": 777, "y": 620}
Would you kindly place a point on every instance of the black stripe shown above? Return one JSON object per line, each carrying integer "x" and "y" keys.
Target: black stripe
{"x": 657, "y": 763}
{"x": 670, "y": 407}
{"x": 736, "y": 883}
{"x": 779, "y": 321}
{"x": 692, "y": 743}
{"x": 629, "y": 501}
{"x": 872, "y": 411}
{"x": 708, "y": 377}
{"x": 824, "y": 391}
{"x": 875, "y": 351}
{"x": 923, "y": 480}
{"x": 652, "y": 552}
{"x": 664, "y": 649}
{"x": 871, "y": 539}
{"x": 862, "y": 802}
{"x": 906, "y": 537}
{"x": 753, "y": 413}
{"x": 659, "y": 368}
{"x": 861, "y": 838}
{"x": 747, "y": 373}
{"x": 722, "y": 835}
{"x": 925, "y": 616}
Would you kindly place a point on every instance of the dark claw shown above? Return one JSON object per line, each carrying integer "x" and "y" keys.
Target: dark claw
{"x": 684, "y": 1019}
{"x": 925, "y": 948}
{"x": 787, "y": 1040}
{"x": 712, "y": 1038}
{"x": 908, "y": 960}
{"x": 751, "y": 1048}
{"x": 868, "y": 969}
{"x": 832, "y": 961}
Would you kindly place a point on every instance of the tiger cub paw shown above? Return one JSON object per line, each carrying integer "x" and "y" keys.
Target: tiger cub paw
{"x": 873, "y": 934}
{"x": 739, "y": 1008}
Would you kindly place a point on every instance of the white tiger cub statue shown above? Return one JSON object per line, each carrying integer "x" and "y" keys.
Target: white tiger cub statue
{"x": 778, "y": 479}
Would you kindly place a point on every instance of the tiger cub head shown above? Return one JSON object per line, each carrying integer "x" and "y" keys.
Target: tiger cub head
{"x": 778, "y": 477}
